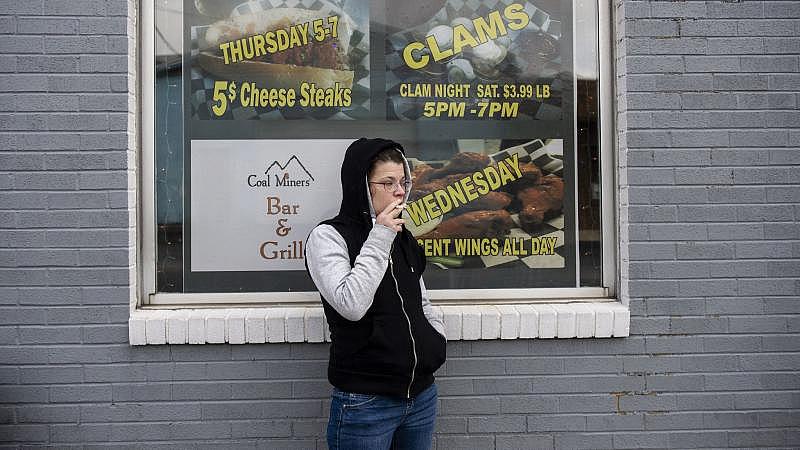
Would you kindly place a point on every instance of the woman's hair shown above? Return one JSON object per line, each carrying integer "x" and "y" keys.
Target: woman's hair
{"x": 385, "y": 155}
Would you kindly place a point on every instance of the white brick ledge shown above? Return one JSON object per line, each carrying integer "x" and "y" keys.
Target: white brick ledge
{"x": 307, "y": 324}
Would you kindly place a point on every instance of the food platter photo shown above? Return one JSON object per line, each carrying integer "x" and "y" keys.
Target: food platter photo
{"x": 283, "y": 45}
{"x": 528, "y": 208}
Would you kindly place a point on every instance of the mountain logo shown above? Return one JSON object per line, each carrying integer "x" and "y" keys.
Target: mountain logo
{"x": 292, "y": 173}
{"x": 286, "y": 166}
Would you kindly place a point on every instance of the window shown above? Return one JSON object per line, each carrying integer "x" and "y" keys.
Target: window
{"x": 499, "y": 105}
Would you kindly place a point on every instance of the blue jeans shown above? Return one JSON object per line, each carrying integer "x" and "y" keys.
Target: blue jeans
{"x": 374, "y": 422}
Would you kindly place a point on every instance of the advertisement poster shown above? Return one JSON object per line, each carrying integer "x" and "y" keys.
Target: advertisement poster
{"x": 491, "y": 207}
{"x": 253, "y": 212}
{"x": 281, "y": 59}
{"x": 476, "y": 60}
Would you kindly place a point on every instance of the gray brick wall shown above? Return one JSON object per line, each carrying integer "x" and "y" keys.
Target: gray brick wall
{"x": 709, "y": 166}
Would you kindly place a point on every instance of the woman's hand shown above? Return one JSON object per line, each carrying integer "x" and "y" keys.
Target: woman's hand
{"x": 390, "y": 217}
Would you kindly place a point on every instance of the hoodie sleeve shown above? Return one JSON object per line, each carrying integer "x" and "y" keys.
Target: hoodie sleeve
{"x": 427, "y": 308}
{"x": 349, "y": 290}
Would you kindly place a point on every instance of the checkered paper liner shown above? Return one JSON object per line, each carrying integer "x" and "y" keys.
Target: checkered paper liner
{"x": 549, "y": 157}
{"x": 202, "y": 83}
{"x": 397, "y": 72}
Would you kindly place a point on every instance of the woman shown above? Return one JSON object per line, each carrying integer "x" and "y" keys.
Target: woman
{"x": 385, "y": 341}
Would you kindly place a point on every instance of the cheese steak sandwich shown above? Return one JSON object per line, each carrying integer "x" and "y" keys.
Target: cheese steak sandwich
{"x": 278, "y": 47}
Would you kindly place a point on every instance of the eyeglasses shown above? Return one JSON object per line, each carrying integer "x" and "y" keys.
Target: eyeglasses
{"x": 392, "y": 186}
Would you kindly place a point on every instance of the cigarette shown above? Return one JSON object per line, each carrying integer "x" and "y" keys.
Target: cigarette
{"x": 403, "y": 206}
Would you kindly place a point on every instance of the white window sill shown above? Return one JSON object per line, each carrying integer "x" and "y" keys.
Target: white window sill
{"x": 307, "y": 324}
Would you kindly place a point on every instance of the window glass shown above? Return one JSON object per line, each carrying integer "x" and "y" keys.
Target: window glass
{"x": 495, "y": 103}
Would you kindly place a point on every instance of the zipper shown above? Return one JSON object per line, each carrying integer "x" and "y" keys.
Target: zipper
{"x": 410, "y": 333}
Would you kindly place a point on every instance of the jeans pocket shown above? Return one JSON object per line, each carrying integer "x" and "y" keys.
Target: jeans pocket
{"x": 354, "y": 400}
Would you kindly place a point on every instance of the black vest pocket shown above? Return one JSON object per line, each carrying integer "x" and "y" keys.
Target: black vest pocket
{"x": 434, "y": 348}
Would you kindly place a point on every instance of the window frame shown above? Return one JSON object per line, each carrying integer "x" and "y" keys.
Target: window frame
{"x": 148, "y": 298}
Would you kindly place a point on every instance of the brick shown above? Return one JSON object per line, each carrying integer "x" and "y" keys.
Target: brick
{"x": 766, "y": 100}
{"x": 50, "y": 335}
{"x": 782, "y": 230}
{"x": 731, "y": 343}
{"x": 735, "y": 46}
{"x": 21, "y": 44}
{"x": 744, "y": 10}
{"x": 654, "y": 100}
{"x": 745, "y": 305}
{"x": 769, "y": 362}
{"x": 103, "y": 180}
{"x": 200, "y": 391}
{"x": 80, "y": 394}
{"x": 21, "y": 161}
{"x": 682, "y": 157}
{"x": 103, "y": 26}
{"x": 237, "y": 370}
{"x": 710, "y": 363}
{"x": 707, "y": 28}
{"x": 698, "y": 250}
{"x": 24, "y": 394}
{"x": 678, "y": 10}
{"x": 740, "y": 82}
{"x": 677, "y": 232}
{"x": 583, "y": 440}
{"x": 766, "y": 286}
{"x": 700, "y": 138}
{"x": 261, "y": 429}
{"x": 769, "y": 64}
{"x": 615, "y": 422}
{"x": 29, "y": 434}
{"x": 673, "y": 344}
{"x": 704, "y": 176}
{"x": 23, "y": 122}
{"x": 469, "y": 405}
{"x": 552, "y": 422}
{"x": 650, "y": 176}
{"x": 652, "y": 28}
{"x": 756, "y": 438}
{"x": 465, "y": 442}
{"x": 776, "y": 419}
{"x": 784, "y": 82}
{"x": 764, "y": 213}
{"x": 497, "y": 424}
{"x": 685, "y": 306}
{"x": 781, "y": 45}
{"x": 705, "y": 401}
{"x": 783, "y": 194}
{"x": 700, "y": 439}
{"x": 771, "y": 27}
{"x": 75, "y": 7}
{"x": 528, "y": 441}
{"x": 673, "y": 421}
{"x": 736, "y": 194}
{"x": 47, "y": 64}
{"x": 103, "y": 102}
{"x": 47, "y": 25}
{"x": 103, "y": 63}
{"x": 763, "y": 250}
{"x": 707, "y": 100}
{"x": 766, "y": 400}
{"x": 8, "y": 63}
{"x": 654, "y": 64}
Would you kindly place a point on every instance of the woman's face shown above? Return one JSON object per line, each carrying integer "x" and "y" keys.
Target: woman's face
{"x": 386, "y": 171}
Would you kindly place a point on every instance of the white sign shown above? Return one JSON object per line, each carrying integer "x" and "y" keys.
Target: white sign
{"x": 253, "y": 202}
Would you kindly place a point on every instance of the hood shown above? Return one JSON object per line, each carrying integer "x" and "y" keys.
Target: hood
{"x": 356, "y": 201}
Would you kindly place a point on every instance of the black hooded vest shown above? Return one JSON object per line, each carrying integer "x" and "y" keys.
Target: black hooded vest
{"x": 393, "y": 350}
